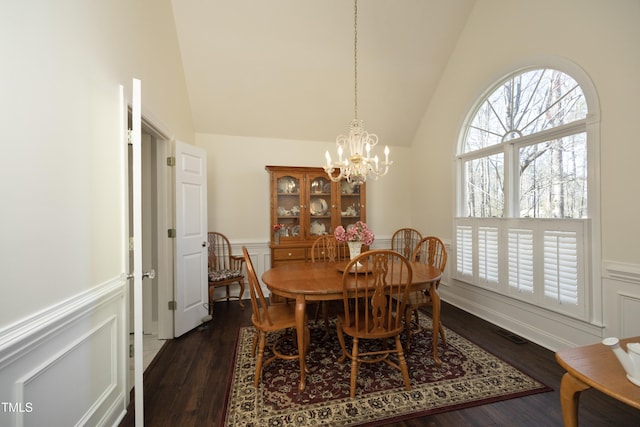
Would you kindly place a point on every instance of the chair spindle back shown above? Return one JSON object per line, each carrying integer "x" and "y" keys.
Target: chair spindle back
{"x": 430, "y": 251}
{"x": 327, "y": 249}
{"x": 259, "y": 303}
{"x": 404, "y": 240}
{"x": 369, "y": 292}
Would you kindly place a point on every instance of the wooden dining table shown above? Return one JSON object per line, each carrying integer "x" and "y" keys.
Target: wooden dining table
{"x": 594, "y": 366}
{"x": 322, "y": 281}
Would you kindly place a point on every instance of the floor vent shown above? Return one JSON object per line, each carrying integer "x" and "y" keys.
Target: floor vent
{"x": 511, "y": 336}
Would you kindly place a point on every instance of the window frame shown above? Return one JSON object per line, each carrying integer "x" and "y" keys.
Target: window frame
{"x": 589, "y": 307}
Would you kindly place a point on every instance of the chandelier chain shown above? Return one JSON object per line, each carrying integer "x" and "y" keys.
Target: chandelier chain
{"x": 355, "y": 58}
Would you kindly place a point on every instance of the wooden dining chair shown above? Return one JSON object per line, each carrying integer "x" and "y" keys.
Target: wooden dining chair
{"x": 430, "y": 251}
{"x": 327, "y": 248}
{"x": 370, "y": 313}
{"x": 267, "y": 318}
{"x": 225, "y": 269}
{"x": 404, "y": 240}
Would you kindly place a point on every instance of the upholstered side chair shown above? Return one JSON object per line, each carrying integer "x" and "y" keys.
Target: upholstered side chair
{"x": 225, "y": 269}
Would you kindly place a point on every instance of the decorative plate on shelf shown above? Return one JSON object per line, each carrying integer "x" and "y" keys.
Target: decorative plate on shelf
{"x": 317, "y": 186}
{"x": 287, "y": 185}
{"x": 318, "y": 206}
{"x": 317, "y": 228}
{"x": 347, "y": 187}
{"x": 351, "y": 211}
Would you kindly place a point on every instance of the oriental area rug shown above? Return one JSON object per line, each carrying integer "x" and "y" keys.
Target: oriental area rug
{"x": 469, "y": 376}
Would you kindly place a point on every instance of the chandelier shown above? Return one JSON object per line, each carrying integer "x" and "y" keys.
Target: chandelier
{"x": 358, "y": 165}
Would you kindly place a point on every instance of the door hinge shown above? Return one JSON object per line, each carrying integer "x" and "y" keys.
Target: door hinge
{"x": 171, "y": 161}
{"x": 171, "y": 233}
{"x": 173, "y": 306}
{"x": 131, "y": 350}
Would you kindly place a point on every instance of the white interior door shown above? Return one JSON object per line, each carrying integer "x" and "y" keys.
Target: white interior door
{"x": 191, "y": 292}
{"x": 136, "y": 208}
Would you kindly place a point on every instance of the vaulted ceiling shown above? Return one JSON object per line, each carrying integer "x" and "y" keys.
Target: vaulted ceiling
{"x": 285, "y": 68}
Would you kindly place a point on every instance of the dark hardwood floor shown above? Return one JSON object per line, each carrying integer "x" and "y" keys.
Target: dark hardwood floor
{"x": 185, "y": 385}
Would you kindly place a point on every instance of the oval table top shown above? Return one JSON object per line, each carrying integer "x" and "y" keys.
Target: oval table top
{"x": 323, "y": 280}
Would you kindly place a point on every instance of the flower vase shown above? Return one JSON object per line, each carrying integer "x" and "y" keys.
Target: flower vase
{"x": 277, "y": 237}
{"x": 354, "y": 249}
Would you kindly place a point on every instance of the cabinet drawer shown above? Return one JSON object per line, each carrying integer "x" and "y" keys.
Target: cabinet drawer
{"x": 289, "y": 254}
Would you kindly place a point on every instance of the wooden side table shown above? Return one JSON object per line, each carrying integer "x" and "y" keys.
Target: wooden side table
{"x": 593, "y": 366}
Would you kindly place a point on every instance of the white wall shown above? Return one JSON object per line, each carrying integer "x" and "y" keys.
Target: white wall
{"x": 502, "y": 36}
{"x": 62, "y": 193}
{"x": 62, "y": 64}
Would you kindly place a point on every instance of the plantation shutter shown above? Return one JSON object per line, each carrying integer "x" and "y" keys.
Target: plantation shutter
{"x": 521, "y": 260}
{"x": 464, "y": 242}
{"x": 488, "y": 255}
{"x": 561, "y": 266}
{"x": 540, "y": 262}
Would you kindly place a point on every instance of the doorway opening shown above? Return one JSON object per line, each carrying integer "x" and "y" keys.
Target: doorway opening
{"x": 157, "y": 252}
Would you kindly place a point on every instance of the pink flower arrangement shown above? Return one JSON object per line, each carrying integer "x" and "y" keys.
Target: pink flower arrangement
{"x": 277, "y": 227}
{"x": 359, "y": 232}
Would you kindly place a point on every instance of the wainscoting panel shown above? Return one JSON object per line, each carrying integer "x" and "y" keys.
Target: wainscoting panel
{"x": 621, "y": 288}
{"x": 629, "y": 315}
{"x": 67, "y": 365}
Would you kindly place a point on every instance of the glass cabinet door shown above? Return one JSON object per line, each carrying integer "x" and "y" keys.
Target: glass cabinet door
{"x": 320, "y": 206}
{"x": 288, "y": 205}
{"x": 351, "y": 207}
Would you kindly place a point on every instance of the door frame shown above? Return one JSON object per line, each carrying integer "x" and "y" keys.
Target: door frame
{"x": 164, "y": 221}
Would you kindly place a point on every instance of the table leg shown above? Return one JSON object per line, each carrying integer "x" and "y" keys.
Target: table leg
{"x": 570, "y": 389}
{"x": 300, "y": 328}
{"x": 435, "y": 318}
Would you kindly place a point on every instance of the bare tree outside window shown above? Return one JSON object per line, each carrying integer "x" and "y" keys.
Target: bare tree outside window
{"x": 522, "y": 113}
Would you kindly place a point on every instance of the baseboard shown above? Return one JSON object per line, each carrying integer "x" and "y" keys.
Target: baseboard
{"x": 66, "y": 365}
{"x": 551, "y": 330}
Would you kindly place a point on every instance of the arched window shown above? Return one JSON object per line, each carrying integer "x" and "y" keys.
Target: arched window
{"x": 522, "y": 227}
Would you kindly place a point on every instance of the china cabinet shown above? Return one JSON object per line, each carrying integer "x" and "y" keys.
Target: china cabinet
{"x": 305, "y": 204}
